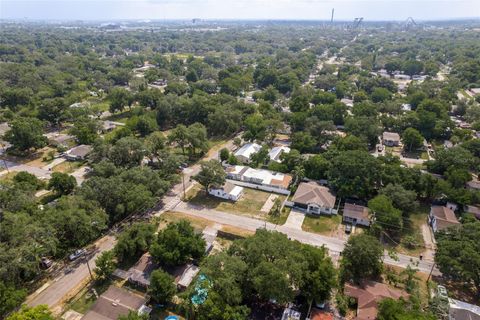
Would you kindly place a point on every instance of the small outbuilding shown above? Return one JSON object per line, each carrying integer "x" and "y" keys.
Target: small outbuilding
{"x": 228, "y": 191}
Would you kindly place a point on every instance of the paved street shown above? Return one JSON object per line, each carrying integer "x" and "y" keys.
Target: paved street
{"x": 59, "y": 288}
{"x": 62, "y": 288}
{"x": 17, "y": 167}
{"x": 334, "y": 245}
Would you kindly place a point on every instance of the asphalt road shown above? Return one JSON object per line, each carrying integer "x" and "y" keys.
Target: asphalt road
{"x": 68, "y": 284}
{"x": 59, "y": 288}
{"x": 334, "y": 245}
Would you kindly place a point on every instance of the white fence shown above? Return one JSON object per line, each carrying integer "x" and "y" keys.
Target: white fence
{"x": 259, "y": 187}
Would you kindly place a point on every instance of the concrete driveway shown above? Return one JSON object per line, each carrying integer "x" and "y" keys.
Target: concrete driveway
{"x": 295, "y": 219}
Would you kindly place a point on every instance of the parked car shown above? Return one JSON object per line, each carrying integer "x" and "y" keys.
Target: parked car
{"x": 348, "y": 228}
{"x": 77, "y": 254}
{"x": 46, "y": 263}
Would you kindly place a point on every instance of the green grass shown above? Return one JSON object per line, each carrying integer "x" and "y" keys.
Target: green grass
{"x": 85, "y": 299}
{"x": 280, "y": 220}
{"x": 324, "y": 225}
{"x": 249, "y": 204}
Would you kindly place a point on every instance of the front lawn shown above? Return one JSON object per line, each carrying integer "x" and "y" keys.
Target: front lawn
{"x": 250, "y": 204}
{"x": 324, "y": 225}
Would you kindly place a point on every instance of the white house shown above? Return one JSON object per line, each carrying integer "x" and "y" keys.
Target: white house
{"x": 228, "y": 191}
{"x": 259, "y": 179}
{"x": 246, "y": 151}
{"x": 276, "y": 152}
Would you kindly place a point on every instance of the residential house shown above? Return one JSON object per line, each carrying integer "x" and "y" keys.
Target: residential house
{"x": 441, "y": 218}
{"x": 356, "y": 214}
{"x": 276, "y": 152}
{"x": 317, "y": 314}
{"x": 78, "y": 153}
{"x": 391, "y": 139}
{"x": 459, "y": 310}
{"x": 139, "y": 274}
{"x": 228, "y": 191}
{"x": 290, "y": 314}
{"x": 473, "y": 210}
{"x": 473, "y": 184}
{"x": 473, "y": 92}
{"x": 246, "y": 151}
{"x": 314, "y": 198}
{"x": 116, "y": 302}
{"x": 368, "y": 295}
{"x": 259, "y": 179}
{"x": 57, "y": 139}
{"x": 347, "y": 102}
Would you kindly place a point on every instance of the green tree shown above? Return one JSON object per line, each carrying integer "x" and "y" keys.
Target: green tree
{"x": 28, "y": 180}
{"x": 26, "y": 134}
{"x": 119, "y": 98}
{"x": 412, "y": 139}
{"x": 134, "y": 241}
{"x": 197, "y": 138}
{"x": 133, "y": 315}
{"x": 39, "y": 312}
{"x": 361, "y": 258}
{"x": 405, "y": 200}
{"x": 176, "y": 244}
{"x": 162, "y": 287}
{"x": 146, "y": 125}
{"x": 458, "y": 254}
{"x": 354, "y": 173}
{"x": 62, "y": 183}
{"x": 390, "y": 309}
{"x": 85, "y": 130}
{"x": 10, "y": 298}
{"x": 316, "y": 167}
{"x": 127, "y": 152}
{"x": 380, "y": 95}
{"x": 179, "y": 135}
{"x": 105, "y": 265}
{"x": 224, "y": 154}
{"x": 211, "y": 174}
{"x": 387, "y": 217}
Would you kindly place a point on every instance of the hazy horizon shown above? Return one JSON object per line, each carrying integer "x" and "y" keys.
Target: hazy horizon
{"x": 373, "y": 10}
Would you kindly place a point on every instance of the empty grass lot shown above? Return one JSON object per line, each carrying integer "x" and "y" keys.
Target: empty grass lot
{"x": 324, "y": 225}
{"x": 249, "y": 204}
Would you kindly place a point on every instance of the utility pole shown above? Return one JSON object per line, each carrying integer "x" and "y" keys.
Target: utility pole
{"x": 431, "y": 271}
{"x": 88, "y": 266}
{"x": 333, "y": 12}
{"x": 183, "y": 183}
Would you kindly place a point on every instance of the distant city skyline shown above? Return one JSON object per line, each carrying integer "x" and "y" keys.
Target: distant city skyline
{"x": 376, "y": 10}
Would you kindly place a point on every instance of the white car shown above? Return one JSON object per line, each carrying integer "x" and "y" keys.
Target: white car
{"x": 77, "y": 254}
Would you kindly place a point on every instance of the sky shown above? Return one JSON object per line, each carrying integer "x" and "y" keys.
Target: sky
{"x": 238, "y": 9}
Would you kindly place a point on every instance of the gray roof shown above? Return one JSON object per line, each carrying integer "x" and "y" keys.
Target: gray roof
{"x": 311, "y": 192}
{"x": 113, "y": 303}
{"x": 80, "y": 151}
{"x": 355, "y": 211}
{"x": 460, "y": 310}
